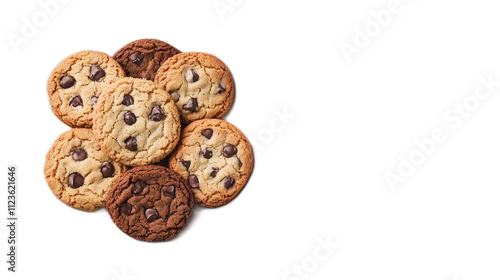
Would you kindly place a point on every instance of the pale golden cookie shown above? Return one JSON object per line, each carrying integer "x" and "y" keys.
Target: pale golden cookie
{"x": 78, "y": 172}
{"x": 76, "y": 83}
{"x": 215, "y": 158}
{"x": 200, "y": 84}
{"x": 136, "y": 122}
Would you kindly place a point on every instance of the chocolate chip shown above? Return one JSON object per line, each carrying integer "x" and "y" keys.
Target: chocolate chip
{"x": 136, "y": 58}
{"x": 196, "y": 77}
{"x": 206, "y": 153}
{"x": 67, "y": 81}
{"x": 214, "y": 172}
{"x": 229, "y": 151}
{"x": 75, "y": 180}
{"x": 76, "y": 101}
{"x": 128, "y": 100}
{"x": 107, "y": 170}
{"x": 79, "y": 154}
{"x": 156, "y": 114}
{"x": 220, "y": 88}
{"x": 193, "y": 181}
{"x": 192, "y": 76}
{"x": 191, "y": 105}
{"x": 131, "y": 143}
{"x": 240, "y": 163}
{"x": 207, "y": 133}
{"x": 94, "y": 99}
{"x": 168, "y": 191}
{"x": 175, "y": 95}
{"x": 126, "y": 208}
{"x": 185, "y": 163}
{"x": 139, "y": 187}
{"x": 129, "y": 118}
{"x": 228, "y": 182}
{"x": 96, "y": 73}
{"x": 151, "y": 214}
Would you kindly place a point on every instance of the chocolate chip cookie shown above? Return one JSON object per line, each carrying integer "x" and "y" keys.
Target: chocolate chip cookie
{"x": 136, "y": 122}
{"x": 78, "y": 172}
{"x": 76, "y": 83}
{"x": 150, "y": 203}
{"x": 215, "y": 158}
{"x": 142, "y": 58}
{"x": 200, "y": 84}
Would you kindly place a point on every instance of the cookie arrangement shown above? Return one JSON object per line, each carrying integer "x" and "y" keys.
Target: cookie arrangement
{"x": 147, "y": 140}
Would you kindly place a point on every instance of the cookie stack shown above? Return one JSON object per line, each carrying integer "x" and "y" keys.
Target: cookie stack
{"x": 147, "y": 141}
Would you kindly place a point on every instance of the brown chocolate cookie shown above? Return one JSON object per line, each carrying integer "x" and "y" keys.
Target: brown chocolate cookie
{"x": 216, "y": 159}
{"x": 200, "y": 84}
{"x": 142, "y": 58}
{"x": 150, "y": 203}
{"x": 78, "y": 172}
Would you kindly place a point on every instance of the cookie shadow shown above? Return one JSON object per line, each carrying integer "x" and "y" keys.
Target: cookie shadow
{"x": 235, "y": 96}
{"x": 194, "y": 216}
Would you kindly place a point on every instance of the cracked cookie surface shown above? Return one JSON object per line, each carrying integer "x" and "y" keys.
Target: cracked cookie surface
{"x": 200, "y": 84}
{"x": 215, "y": 158}
{"x": 142, "y": 58}
{"x": 150, "y": 203}
{"x": 76, "y": 83}
{"x": 136, "y": 122}
{"x": 78, "y": 172}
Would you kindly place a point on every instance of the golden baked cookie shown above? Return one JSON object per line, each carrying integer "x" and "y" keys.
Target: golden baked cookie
{"x": 200, "y": 84}
{"x": 78, "y": 172}
{"x": 76, "y": 83}
{"x": 136, "y": 122}
{"x": 215, "y": 158}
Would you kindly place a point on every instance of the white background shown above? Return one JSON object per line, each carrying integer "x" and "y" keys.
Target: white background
{"x": 318, "y": 176}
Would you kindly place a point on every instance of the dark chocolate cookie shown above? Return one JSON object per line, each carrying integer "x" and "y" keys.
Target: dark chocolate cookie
{"x": 150, "y": 203}
{"x": 142, "y": 58}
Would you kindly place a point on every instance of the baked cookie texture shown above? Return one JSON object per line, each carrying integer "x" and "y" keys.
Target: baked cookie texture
{"x": 136, "y": 122}
{"x": 200, "y": 84}
{"x": 216, "y": 158}
{"x": 150, "y": 203}
{"x": 142, "y": 58}
{"x": 78, "y": 172}
{"x": 76, "y": 84}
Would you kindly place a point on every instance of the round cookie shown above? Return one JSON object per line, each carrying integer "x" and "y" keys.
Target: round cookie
{"x": 142, "y": 58}
{"x": 78, "y": 172}
{"x": 135, "y": 122}
{"x": 76, "y": 83}
{"x": 215, "y": 158}
{"x": 150, "y": 203}
{"x": 200, "y": 84}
